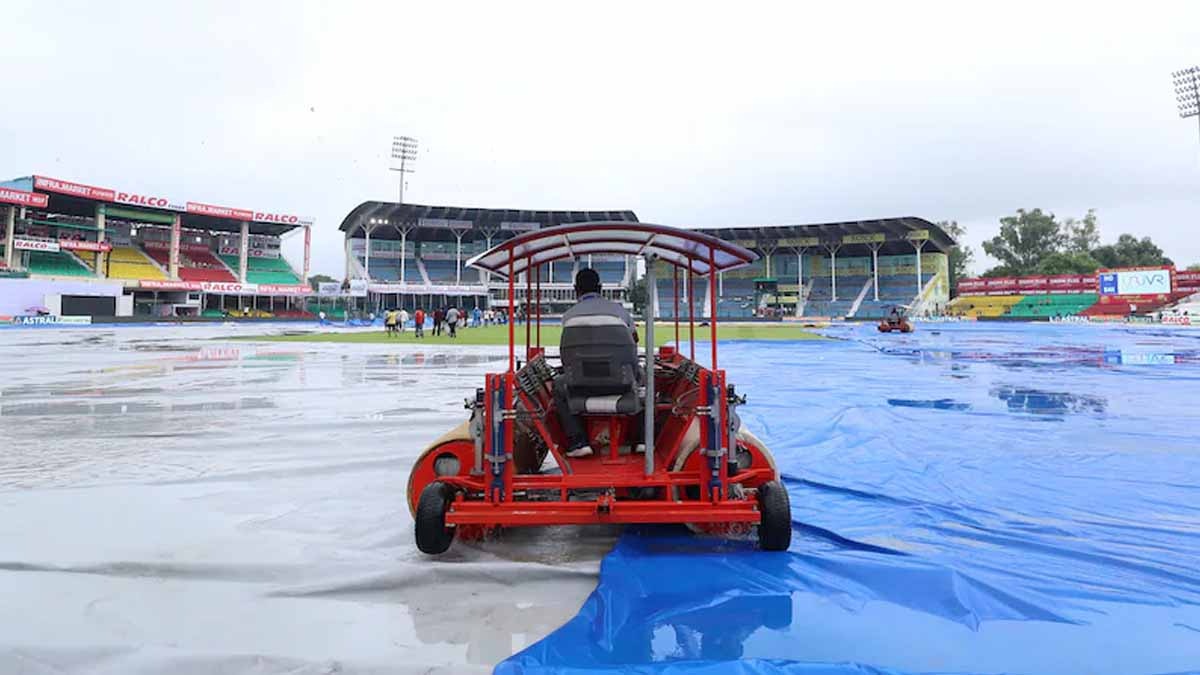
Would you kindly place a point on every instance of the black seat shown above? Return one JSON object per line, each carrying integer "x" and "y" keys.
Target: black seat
{"x": 600, "y": 366}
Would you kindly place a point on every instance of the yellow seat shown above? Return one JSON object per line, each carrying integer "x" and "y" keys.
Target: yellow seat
{"x": 126, "y": 262}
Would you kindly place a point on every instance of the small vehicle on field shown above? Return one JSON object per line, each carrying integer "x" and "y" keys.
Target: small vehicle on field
{"x": 669, "y": 444}
{"x": 896, "y": 321}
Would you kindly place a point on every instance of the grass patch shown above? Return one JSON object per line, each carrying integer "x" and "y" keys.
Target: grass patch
{"x": 664, "y": 333}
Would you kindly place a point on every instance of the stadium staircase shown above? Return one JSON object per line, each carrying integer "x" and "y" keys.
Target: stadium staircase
{"x": 861, "y": 295}
{"x": 423, "y": 271}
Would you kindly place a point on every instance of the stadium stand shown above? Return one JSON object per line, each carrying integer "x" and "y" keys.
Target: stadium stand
{"x": 564, "y": 272}
{"x": 440, "y": 271}
{"x": 264, "y": 270}
{"x": 194, "y": 265}
{"x": 610, "y": 271}
{"x": 820, "y": 298}
{"x": 385, "y": 269}
{"x": 983, "y": 306}
{"x": 737, "y": 301}
{"x": 1053, "y": 305}
{"x": 55, "y": 263}
{"x": 127, "y": 262}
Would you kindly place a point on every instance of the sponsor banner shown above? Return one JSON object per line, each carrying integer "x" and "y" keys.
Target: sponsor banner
{"x": 800, "y": 242}
{"x": 358, "y": 288}
{"x": 218, "y": 211}
{"x": 23, "y": 198}
{"x": 152, "y": 201}
{"x": 1152, "y": 281}
{"x": 518, "y": 227}
{"x": 252, "y": 253}
{"x": 84, "y": 245}
{"x": 872, "y": 238}
{"x": 329, "y": 288}
{"x": 745, "y": 243}
{"x": 1187, "y": 280}
{"x": 279, "y": 218}
{"x": 167, "y": 285}
{"x": 162, "y": 202}
{"x": 284, "y": 289}
{"x": 428, "y": 288}
{"x": 917, "y": 235}
{"x": 391, "y": 254}
{"x": 183, "y": 246}
{"x": 52, "y": 320}
{"x": 73, "y": 189}
{"x": 228, "y": 287}
{"x": 1177, "y": 320}
{"x": 971, "y": 285}
{"x": 444, "y": 224}
{"x": 34, "y": 245}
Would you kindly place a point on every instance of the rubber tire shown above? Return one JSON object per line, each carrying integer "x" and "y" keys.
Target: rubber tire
{"x": 775, "y": 530}
{"x": 433, "y": 537}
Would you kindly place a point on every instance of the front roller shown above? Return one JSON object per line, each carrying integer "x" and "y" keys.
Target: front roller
{"x": 775, "y": 527}
{"x": 453, "y": 454}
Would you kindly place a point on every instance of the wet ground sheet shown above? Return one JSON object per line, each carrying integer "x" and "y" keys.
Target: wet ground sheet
{"x": 969, "y": 498}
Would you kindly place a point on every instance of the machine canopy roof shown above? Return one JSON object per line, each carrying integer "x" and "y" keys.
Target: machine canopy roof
{"x": 687, "y": 249}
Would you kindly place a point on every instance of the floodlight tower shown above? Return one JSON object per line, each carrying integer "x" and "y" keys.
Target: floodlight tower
{"x": 404, "y": 148}
{"x": 1187, "y": 91}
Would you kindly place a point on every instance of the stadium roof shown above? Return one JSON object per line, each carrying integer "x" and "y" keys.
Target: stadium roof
{"x": 897, "y": 234}
{"x": 439, "y": 222}
{"x": 76, "y": 199}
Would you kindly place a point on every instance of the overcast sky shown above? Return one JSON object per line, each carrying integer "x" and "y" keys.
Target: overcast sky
{"x": 691, "y": 115}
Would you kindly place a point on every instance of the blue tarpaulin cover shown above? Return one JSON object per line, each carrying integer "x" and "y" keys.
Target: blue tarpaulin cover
{"x": 968, "y": 498}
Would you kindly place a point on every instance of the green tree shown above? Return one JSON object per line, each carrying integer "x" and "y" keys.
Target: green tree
{"x": 1194, "y": 267}
{"x": 317, "y": 279}
{"x": 961, "y": 256}
{"x": 999, "y": 271}
{"x": 637, "y": 296}
{"x": 1024, "y": 240}
{"x": 1068, "y": 262}
{"x": 1082, "y": 235}
{"x": 1129, "y": 251}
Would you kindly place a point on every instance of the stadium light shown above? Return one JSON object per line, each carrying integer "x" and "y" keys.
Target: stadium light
{"x": 404, "y": 148}
{"x": 1187, "y": 91}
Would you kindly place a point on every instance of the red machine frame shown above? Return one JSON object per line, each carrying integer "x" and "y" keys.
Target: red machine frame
{"x": 714, "y": 485}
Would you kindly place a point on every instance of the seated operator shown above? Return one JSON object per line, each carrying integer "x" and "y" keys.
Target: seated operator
{"x": 599, "y": 356}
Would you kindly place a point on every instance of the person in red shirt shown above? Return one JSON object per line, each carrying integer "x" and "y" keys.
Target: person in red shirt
{"x": 419, "y": 323}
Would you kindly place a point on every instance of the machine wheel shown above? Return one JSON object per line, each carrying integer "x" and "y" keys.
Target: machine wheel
{"x": 433, "y": 537}
{"x": 775, "y": 530}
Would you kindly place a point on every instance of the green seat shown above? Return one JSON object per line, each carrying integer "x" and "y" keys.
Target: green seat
{"x": 57, "y": 264}
{"x": 1057, "y": 304}
{"x": 264, "y": 270}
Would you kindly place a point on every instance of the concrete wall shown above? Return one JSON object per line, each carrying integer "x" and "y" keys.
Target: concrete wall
{"x": 18, "y": 294}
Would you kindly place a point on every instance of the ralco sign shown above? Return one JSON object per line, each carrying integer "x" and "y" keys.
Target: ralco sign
{"x": 133, "y": 198}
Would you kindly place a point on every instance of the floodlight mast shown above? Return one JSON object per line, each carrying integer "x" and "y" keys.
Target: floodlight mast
{"x": 1187, "y": 91}
{"x": 404, "y": 148}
